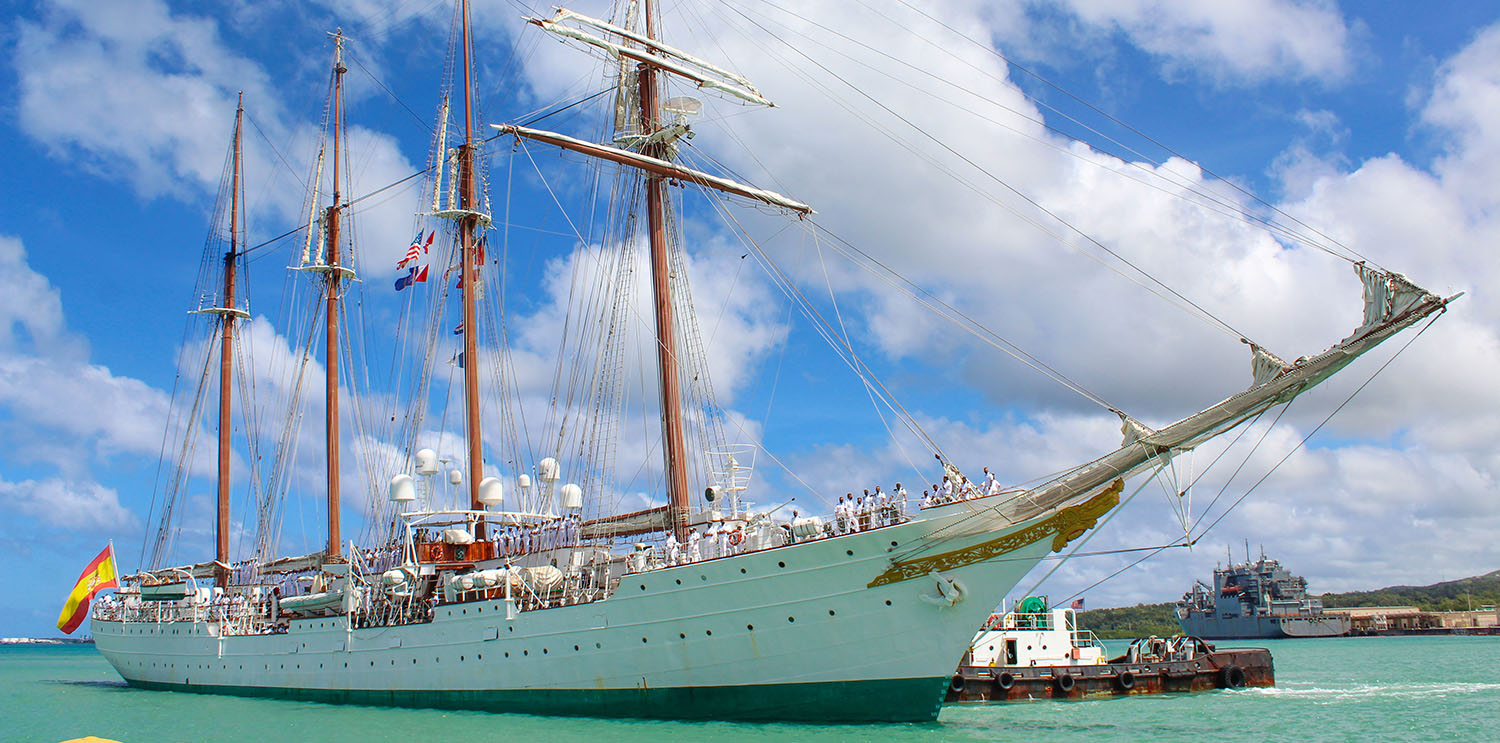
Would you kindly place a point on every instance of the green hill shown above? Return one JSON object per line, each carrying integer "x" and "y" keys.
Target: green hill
{"x": 1453, "y": 595}
{"x": 1158, "y": 619}
{"x": 1141, "y": 620}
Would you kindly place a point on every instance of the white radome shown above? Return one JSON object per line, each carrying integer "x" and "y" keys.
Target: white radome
{"x": 403, "y": 489}
{"x": 491, "y": 491}
{"x": 427, "y": 462}
{"x": 572, "y": 496}
{"x": 547, "y": 470}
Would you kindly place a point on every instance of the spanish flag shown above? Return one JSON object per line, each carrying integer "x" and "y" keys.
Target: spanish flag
{"x": 99, "y": 575}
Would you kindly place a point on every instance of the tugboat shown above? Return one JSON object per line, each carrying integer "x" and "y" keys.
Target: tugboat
{"x": 1256, "y": 600}
{"x": 1037, "y": 653}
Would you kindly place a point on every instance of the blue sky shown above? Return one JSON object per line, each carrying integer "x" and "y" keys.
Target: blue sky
{"x": 1373, "y": 122}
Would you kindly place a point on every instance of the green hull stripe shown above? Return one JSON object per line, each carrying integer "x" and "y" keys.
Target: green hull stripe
{"x": 887, "y": 700}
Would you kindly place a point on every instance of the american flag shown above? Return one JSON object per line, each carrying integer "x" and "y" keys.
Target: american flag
{"x": 1077, "y": 605}
{"x": 417, "y": 249}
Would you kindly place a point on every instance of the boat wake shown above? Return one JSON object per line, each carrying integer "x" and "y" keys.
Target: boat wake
{"x": 1384, "y": 691}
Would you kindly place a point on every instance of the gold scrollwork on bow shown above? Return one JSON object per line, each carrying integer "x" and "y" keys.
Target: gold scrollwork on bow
{"x": 1064, "y": 526}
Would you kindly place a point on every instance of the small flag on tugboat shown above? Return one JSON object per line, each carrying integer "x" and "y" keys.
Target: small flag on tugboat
{"x": 414, "y": 275}
{"x": 99, "y": 575}
{"x": 1077, "y": 605}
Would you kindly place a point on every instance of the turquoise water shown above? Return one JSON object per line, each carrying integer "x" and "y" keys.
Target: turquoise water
{"x": 1395, "y": 688}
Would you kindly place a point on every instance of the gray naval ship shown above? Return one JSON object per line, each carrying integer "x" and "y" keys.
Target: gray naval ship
{"x": 1256, "y": 599}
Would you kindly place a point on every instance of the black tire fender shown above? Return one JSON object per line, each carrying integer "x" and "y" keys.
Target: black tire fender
{"x": 1064, "y": 683}
{"x": 1005, "y": 681}
{"x": 1126, "y": 680}
{"x": 1232, "y": 677}
{"x": 958, "y": 683}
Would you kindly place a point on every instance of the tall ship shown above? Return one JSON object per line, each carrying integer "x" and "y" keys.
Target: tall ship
{"x": 1256, "y": 599}
{"x": 517, "y": 571}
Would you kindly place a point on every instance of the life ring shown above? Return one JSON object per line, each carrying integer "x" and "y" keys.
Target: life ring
{"x": 1064, "y": 683}
{"x": 736, "y": 537}
{"x": 1126, "y": 680}
{"x": 957, "y": 684}
{"x": 1005, "y": 681}
{"x": 1232, "y": 677}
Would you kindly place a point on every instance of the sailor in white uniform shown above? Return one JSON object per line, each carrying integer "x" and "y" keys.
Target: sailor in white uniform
{"x": 674, "y": 549}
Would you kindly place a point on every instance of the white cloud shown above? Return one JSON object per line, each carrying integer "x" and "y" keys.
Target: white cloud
{"x": 164, "y": 121}
{"x": 70, "y": 506}
{"x": 1252, "y": 40}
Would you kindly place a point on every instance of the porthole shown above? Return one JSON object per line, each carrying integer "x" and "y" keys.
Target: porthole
{"x": 887, "y": 602}
{"x": 598, "y": 646}
{"x": 575, "y": 648}
{"x": 849, "y": 552}
{"x": 789, "y": 620}
{"x": 643, "y": 586}
{"x": 525, "y": 652}
{"x": 679, "y": 581}
{"x": 703, "y": 577}
{"x": 893, "y": 543}
{"x": 479, "y": 656}
{"x": 643, "y": 640}
{"x": 682, "y": 635}
{"x": 830, "y": 612}
{"x": 507, "y": 653}
{"x": 750, "y": 627}
{"x": 460, "y": 659}
{"x": 780, "y": 564}
{"x": 708, "y": 632}
{"x": 742, "y": 571}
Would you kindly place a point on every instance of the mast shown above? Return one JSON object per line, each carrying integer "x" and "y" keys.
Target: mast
{"x": 673, "y": 448}
{"x": 333, "y": 274}
{"x": 468, "y": 274}
{"x": 226, "y": 373}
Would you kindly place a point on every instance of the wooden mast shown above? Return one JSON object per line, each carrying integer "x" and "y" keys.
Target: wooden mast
{"x": 468, "y": 274}
{"x": 226, "y": 349}
{"x": 673, "y": 447}
{"x": 332, "y": 272}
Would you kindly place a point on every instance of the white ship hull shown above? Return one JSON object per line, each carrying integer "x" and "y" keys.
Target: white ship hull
{"x": 794, "y": 633}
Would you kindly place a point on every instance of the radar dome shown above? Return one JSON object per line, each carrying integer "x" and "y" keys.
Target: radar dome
{"x": 403, "y": 489}
{"x": 455, "y": 477}
{"x": 427, "y": 462}
{"x": 547, "y": 470}
{"x": 572, "y": 496}
{"x": 491, "y": 491}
